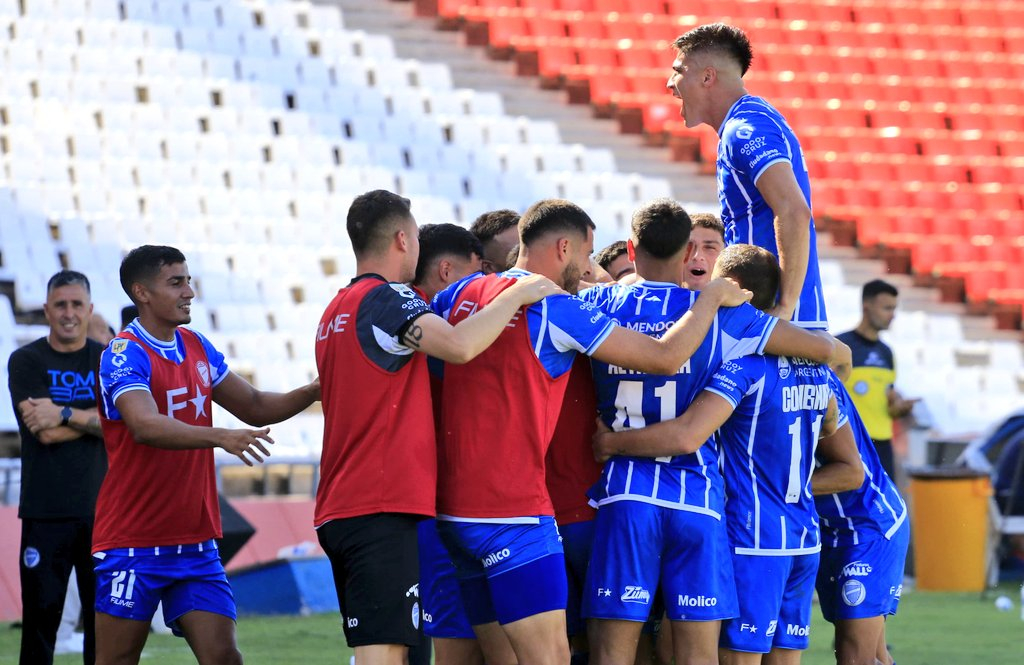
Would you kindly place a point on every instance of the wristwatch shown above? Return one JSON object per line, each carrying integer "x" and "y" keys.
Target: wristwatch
{"x": 65, "y": 416}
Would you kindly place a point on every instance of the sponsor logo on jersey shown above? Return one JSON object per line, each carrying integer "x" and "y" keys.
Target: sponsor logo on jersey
{"x": 636, "y": 594}
{"x": 772, "y": 627}
{"x": 335, "y": 325}
{"x": 805, "y": 397}
{"x": 352, "y": 622}
{"x": 31, "y": 557}
{"x": 861, "y": 387}
{"x": 66, "y": 387}
{"x": 799, "y": 631}
{"x": 495, "y": 557}
{"x": 748, "y": 628}
{"x": 416, "y": 615}
{"x": 403, "y": 290}
{"x": 896, "y": 591}
{"x": 744, "y": 132}
{"x": 857, "y": 569}
{"x": 118, "y": 345}
{"x": 783, "y": 367}
{"x": 204, "y": 373}
{"x": 854, "y": 592}
{"x": 697, "y": 601}
{"x": 604, "y": 593}
{"x": 414, "y": 591}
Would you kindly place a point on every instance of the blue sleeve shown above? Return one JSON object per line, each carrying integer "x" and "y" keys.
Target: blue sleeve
{"x": 733, "y": 380}
{"x": 575, "y": 325}
{"x": 124, "y": 366}
{"x": 444, "y": 300}
{"x": 745, "y": 330}
{"x": 754, "y": 142}
{"x": 843, "y": 403}
{"x": 218, "y": 366}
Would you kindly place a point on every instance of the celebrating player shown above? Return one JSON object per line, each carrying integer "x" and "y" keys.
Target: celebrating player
{"x": 762, "y": 179}
{"x": 157, "y": 514}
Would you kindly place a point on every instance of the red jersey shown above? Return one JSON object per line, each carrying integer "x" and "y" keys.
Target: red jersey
{"x": 154, "y": 496}
{"x": 379, "y": 450}
{"x": 571, "y": 467}
{"x": 500, "y": 409}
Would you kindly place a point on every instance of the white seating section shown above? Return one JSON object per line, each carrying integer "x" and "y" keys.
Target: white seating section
{"x": 240, "y": 132}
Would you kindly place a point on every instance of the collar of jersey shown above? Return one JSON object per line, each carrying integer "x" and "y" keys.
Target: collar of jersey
{"x": 732, "y": 108}
{"x": 655, "y": 285}
{"x": 138, "y": 330}
{"x": 516, "y": 272}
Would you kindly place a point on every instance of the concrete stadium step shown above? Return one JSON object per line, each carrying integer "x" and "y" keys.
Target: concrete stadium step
{"x": 416, "y": 38}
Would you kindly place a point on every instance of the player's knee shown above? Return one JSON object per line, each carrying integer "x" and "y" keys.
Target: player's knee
{"x": 227, "y": 654}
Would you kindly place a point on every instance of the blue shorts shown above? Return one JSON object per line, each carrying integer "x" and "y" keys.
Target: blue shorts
{"x": 863, "y": 581}
{"x": 643, "y": 545}
{"x": 443, "y": 613}
{"x": 775, "y": 595}
{"x": 577, "y": 539}
{"x": 507, "y": 572}
{"x": 130, "y": 582}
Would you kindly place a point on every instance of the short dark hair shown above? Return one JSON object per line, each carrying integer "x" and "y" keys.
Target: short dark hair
{"x": 510, "y": 259}
{"x": 128, "y": 314}
{"x": 607, "y": 255}
{"x": 706, "y": 220}
{"x": 67, "y": 278}
{"x": 550, "y": 216}
{"x": 372, "y": 218}
{"x": 755, "y": 269}
{"x": 877, "y": 287}
{"x": 143, "y": 263}
{"x": 717, "y": 38}
{"x": 437, "y": 240}
{"x": 491, "y": 223}
{"x": 661, "y": 228}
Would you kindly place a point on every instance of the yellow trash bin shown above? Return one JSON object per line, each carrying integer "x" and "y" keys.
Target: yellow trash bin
{"x": 949, "y": 522}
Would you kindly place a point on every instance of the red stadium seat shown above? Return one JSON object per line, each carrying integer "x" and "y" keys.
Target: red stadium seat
{"x": 583, "y": 26}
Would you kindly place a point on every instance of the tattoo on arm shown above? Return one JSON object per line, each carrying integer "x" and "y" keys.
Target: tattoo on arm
{"x": 93, "y": 426}
{"x": 414, "y": 336}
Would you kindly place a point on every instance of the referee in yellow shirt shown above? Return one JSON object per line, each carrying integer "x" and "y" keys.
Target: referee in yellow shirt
{"x": 874, "y": 371}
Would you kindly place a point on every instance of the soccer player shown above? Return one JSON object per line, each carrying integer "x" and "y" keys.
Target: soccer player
{"x": 379, "y": 462}
{"x": 157, "y": 515}
{"x": 660, "y": 520}
{"x": 708, "y": 240}
{"x": 494, "y": 511}
{"x": 52, "y": 383}
{"x": 769, "y": 411}
{"x": 615, "y": 260}
{"x": 762, "y": 179}
{"x": 498, "y": 232}
{"x": 863, "y": 550}
{"x": 447, "y": 254}
{"x": 874, "y": 370}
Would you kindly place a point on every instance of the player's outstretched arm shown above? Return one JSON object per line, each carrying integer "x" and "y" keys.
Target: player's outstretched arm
{"x": 150, "y": 427}
{"x": 259, "y": 408}
{"x": 783, "y": 195}
{"x": 633, "y": 350}
{"x": 460, "y": 343}
{"x": 795, "y": 342}
{"x": 680, "y": 436}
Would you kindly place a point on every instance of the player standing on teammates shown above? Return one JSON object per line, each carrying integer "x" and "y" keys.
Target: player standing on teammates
{"x": 494, "y": 511}
{"x": 768, "y": 456}
{"x": 447, "y": 254}
{"x": 157, "y": 515}
{"x": 660, "y": 520}
{"x": 763, "y": 185}
{"x": 863, "y": 549}
{"x": 379, "y": 462}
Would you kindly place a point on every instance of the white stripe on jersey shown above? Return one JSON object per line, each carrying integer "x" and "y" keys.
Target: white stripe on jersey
{"x": 642, "y": 498}
{"x": 759, "y": 387}
{"x": 657, "y": 480}
{"x": 796, "y": 551}
{"x": 629, "y": 477}
{"x": 542, "y": 331}
{"x": 490, "y": 520}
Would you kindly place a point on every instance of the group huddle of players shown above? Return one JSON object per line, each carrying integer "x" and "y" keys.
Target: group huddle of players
{"x": 705, "y": 506}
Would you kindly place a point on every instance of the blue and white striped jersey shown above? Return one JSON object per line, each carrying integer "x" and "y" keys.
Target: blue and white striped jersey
{"x": 768, "y": 452}
{"x": 628, "y": 400}
{"x": 753, "y": 137}
{"x": 875, "y": 509}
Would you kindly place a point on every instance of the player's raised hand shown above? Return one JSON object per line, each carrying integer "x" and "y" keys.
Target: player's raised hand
{"x": 535, "y": 287}
{"x": 246, "y": 443}
{"x": 727, "y": 291}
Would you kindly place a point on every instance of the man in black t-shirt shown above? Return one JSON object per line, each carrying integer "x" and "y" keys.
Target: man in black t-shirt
{"x": 54, "y": 390}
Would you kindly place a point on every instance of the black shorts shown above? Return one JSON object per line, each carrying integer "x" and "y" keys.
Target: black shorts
{"x": 375, "y": 559}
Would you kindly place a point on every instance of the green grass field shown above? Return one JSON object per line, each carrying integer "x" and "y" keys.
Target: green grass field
{"x": 931, "y": 629}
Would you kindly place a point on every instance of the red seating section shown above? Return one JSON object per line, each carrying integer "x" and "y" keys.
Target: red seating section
{"x": 910, "y": 112}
